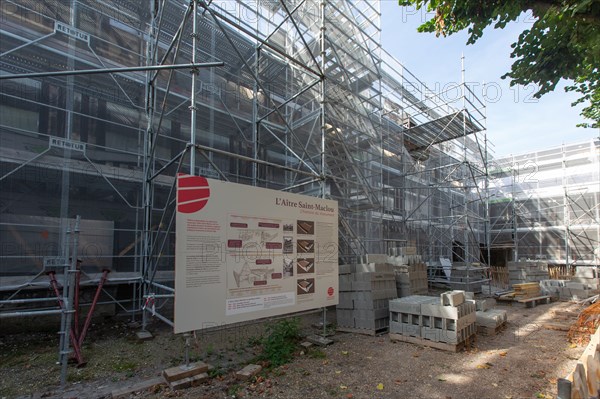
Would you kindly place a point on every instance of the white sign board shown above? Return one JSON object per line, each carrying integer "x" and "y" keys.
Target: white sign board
{"x": 244, "y": 253}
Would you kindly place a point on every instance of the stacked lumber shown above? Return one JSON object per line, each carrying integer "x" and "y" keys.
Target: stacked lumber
{"x": 526, "y": 291}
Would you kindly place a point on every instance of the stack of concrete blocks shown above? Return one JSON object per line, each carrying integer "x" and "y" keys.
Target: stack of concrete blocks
{"x": 583, "y": 285}
{"x": 527, "y": 271}
{"x": 487, "y": 319}
{"x": 365, "y": 291}
{"x": 448, "y": 319}
{"x": 405, "y": 314}
{"x": 410, "y": 271}
{"x": 467, "y": 276}
{"x": 553, "y": 288}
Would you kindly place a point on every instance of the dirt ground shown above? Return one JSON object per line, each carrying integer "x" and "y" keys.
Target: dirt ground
{"x": 522, "y": 361}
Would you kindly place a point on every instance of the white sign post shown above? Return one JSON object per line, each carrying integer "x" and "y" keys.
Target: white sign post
{"x": 244, "y": 253}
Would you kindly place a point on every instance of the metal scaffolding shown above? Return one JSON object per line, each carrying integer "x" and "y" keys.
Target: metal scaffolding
{"x": 546, "y": 205}
{"x": 306, "y": 101}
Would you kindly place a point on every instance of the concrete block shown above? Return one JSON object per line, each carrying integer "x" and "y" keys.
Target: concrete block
{"x": 372, "y": 305}
{"x": 377, "y": 285}
{"x": 410, "y": 304}
{"x": 586, "y": 271}
{"x": 485, "y": 304}
{"x": 372, "y": 324}
{"x": 452, "y": 298}
{"x": 369, "y": 314}
{"x": 448, "y": 312}
{"x": 144, "y": 335}
{"x": 247, "y": 372}
{"x": 374, "y": 268}
{"x": 448, "y": 336}
{"x": 183, "y": 371}
{"x": 345, "y": 300}
{"x": 345, "y": 282}
{"x": 576, "y": 286}
{"x": 405, "y": 329}
{"x": 368, "y": 295}
{"x": 346, "y": 269}
{"x": 344, "y": 318}
{"x": 306, "y": 344}
{"x": 492, "y": 318}
{"x": 374, "y": 276}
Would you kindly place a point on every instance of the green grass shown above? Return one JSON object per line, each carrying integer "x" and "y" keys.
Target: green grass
{"x": 280, "y": 342}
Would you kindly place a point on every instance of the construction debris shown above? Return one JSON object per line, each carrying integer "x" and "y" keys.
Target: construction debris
{"x": 587, "y": 323}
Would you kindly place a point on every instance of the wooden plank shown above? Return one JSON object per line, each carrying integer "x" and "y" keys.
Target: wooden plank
{"x": 580, "y": 388}
{"x": 557, "y": 326}
{"x": 565, "y": 314}
{"x": 534, "y": 299}
{"x": 433, "y": 344}
{"x": 591, "y": 373}
{"x": 128, "y": 390}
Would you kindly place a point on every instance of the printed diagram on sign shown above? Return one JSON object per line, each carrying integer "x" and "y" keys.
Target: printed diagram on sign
{"x": 288, "y": 245}
{"x": 288, "y": 227}
{"x": 306, "y": 227}
{"x": 288, "y": 267}
{"x": 306, "y": 286}
{"x": 258, "y": 236}
{"x": 306, "y": 246}
{"x": 251, "y": 277}
{"x": 306, "y": 265}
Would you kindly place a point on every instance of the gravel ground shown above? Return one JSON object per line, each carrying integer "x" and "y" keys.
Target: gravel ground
{"x": 523, "y": 361}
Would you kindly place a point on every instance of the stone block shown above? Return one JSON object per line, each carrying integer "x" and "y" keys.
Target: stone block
{"x": 586, "y": 271}
{"x": 183, "y": 371}
{"x": 374, "y": 276}
{"x": 346, "y": 269}
{"x": 405, "y": 329}
{"x": 374, "y": 268}
{"x": 452, "y": 298}
{"x": 189, "y": 382}
{"x": 247, "y": 372}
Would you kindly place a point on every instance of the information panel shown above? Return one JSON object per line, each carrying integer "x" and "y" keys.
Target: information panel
{"x": 244, "y": 253}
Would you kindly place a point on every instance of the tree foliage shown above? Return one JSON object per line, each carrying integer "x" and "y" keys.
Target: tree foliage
{"x": 562, "y": 42}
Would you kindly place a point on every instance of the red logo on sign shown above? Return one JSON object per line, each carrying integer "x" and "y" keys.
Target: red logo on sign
{"x": 192, "y": 193}
{"x": 330, "y": 291}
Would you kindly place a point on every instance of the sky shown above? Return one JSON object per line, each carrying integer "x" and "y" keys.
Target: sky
{"x": 516, "y": 122}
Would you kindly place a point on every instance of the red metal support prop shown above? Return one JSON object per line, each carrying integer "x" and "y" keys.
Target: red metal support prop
{"x": 88, "y": 319}
{"x": 76, "y": 300}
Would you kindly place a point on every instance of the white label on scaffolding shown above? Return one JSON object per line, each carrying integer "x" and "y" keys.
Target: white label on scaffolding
{"x": 56, "y": 261}
{"x": 71, "y": 31}
{"x": 244, "y": 253}
{"x": 67, "y": 144}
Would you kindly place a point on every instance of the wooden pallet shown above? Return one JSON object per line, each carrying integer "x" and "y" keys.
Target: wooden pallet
{"x": 533, "y": 302}
{"x": 488, "y": 331}
{"x": 364, "y": 331}
{"x": 434, "y": 344}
